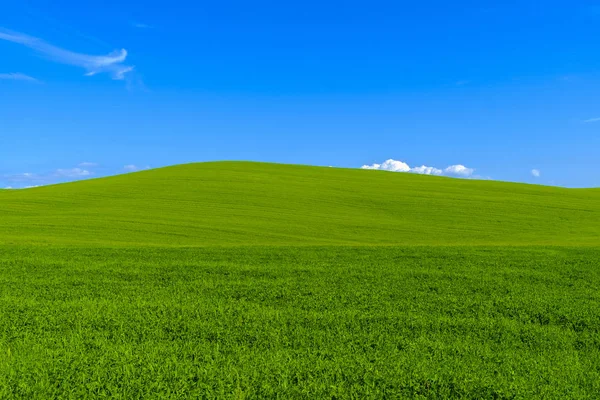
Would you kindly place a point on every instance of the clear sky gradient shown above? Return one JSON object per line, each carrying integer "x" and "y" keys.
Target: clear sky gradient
{"x": 503, "y": 88}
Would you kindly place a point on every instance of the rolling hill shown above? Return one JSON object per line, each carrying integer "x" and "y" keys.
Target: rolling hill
{"x": 247, "y": 203}
{"x": 251, "y": 280}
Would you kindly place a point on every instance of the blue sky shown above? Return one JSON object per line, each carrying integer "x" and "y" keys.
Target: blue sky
{"x": 500, "y": 88}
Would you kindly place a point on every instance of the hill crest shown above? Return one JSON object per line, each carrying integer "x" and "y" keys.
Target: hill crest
{"x": 247, "y": 203}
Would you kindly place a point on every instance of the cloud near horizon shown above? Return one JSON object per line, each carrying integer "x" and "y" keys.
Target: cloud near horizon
{"x": 133, "y": 168}
{"x": 536, "y": 173}
{"x": 459, "y": 170}
{"x": 400, "y": 166}
{"x": 59, "y": 175}
{"x": 83, "y": 170}
{"x": 111, "y": 64}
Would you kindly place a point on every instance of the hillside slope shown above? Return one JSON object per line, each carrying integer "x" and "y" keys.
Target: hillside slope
{"x": 243, "y": 203}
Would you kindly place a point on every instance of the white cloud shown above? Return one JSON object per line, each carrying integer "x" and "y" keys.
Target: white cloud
{"x": 426, "y": 170}
{"x": 389, "y": 165}
{"x": 111, "y": 63}
{"x": 73, "y": 173}
{"x": 86, "y": 164}
{"x": 536, "y": 173}
{"x": 587, "y": 121}
{"x": 17, "y": 76}
{"x": 459, "y": 170}
{"x": 400, "y": 166}
{"x": 372, "y": 166}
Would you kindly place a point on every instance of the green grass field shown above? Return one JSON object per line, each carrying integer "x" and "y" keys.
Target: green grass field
{"x": 249, "y": 280}
{"x": 239, "y": 203}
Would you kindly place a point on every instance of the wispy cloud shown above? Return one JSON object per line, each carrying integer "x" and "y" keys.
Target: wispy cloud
{"x": 72, "y": 173}
{"x": 130, "y": 167}
{"x": 133, "y": 168}
{"x": 87, "y": 164}
{"x": 587, "y": 121}
{"x": 17, "y": 76}
{"x": 30, "y": 179}
{"x": 400, "y": 166}
{"x": 140, "y": 25}
{"x": 111, "y": 63}
{"x": 536, "y": 173}
{"x": 22, "y": 177}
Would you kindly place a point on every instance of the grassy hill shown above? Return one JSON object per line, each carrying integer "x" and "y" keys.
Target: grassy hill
{"x": 284, "y": 290}
{"x": 246, "y": 203}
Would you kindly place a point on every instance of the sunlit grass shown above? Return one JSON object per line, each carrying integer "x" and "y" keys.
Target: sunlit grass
{"x": 247, "y": 280}
{"x": 300, "y": 322}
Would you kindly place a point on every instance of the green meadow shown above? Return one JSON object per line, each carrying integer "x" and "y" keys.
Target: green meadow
{"x": 251, "y": 280}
